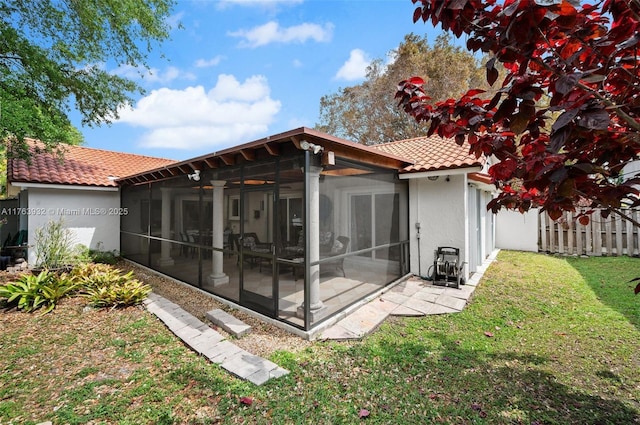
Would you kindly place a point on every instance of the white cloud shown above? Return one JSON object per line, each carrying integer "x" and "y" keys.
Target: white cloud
{"x": 222, "y": 4}
{"x": 153, "y": 75}
{"x": 206, "y": 63}
{"x": 195, "y": 118}
{"x": 355, "y": 68}
{"x": 297, "y": 63}
{"x": 272, "y": 32}
{"x": 174, "y": 21}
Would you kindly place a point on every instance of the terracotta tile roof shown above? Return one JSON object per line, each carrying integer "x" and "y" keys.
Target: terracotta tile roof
{"x": 432, "y": 154}
{"x": 481, "y": 178}
{"x": 80, "y": 166}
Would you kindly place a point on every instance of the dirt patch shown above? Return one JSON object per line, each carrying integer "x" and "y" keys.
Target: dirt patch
{"x": 264, "y": 338}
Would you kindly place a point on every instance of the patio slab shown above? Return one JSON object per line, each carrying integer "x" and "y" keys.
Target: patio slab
{"x": 227, "y": 322}
{"x": 413, "y": 297}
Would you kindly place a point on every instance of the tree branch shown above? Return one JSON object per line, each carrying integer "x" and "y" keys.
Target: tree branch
{"x": 619, "y": 212}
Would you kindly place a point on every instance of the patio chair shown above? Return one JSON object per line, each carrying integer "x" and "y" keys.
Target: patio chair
{"x": 339, "y": 248}
{"x": 324, "y": 238}
{"x": 251, "y": 242}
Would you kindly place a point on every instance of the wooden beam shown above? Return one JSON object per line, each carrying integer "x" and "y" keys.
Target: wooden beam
{"x": 296, "y": 141}
{"x": 248, "y": 154}
{"x": 228, "y": 159}
{"x": 211, "y": 163}
{"x": 272, "y": 149}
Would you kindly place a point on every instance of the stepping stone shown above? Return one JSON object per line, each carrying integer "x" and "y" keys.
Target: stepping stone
{"x": 227, "y": 322}
{"x": 210, "y": 344}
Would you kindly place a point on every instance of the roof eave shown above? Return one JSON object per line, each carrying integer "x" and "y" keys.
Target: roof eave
{"x": 272, "y": 145}
{"x": 26, "y": 185}
{"x": 441, "y": 172}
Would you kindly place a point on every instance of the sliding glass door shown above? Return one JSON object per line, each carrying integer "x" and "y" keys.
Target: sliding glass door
{"x": 374, "y": 222}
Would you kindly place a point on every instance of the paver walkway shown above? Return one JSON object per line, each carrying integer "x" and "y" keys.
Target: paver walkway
{"x": 413, "y": 297}
{"x": 211, "y": 344}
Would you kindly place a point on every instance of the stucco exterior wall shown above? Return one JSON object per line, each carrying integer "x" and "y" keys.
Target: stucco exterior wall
{"x": 517, "y": 231}
{"x": 92, "y": 216}
{"x": 440, "y": 207}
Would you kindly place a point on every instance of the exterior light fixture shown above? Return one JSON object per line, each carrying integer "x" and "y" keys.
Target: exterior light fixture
{"x": 195, "y": 176}
{"x": 306, "y": 146}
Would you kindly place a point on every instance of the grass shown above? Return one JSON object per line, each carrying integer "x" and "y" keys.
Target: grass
{"x": 545, "y": 340}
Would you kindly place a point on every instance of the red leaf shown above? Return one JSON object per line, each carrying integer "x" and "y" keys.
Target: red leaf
{"x": 488, "y": 334}
{"x": 584, "y": 220}
{"x": 416, "y": 81}
{"x": 417, "y": 14}
{"x": 492, "y": 72}
{"x": 567, "y": 82}
{"x": 247, "y": 401}
{"x": 363, "y": 413}
{"x": 637, "y": 290}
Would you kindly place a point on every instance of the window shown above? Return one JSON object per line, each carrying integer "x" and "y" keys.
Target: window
{"x": 234, "y": 208}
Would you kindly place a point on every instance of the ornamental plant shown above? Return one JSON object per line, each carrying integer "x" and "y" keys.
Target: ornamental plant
{"x": 566, "y": 118}
{"x": 106, "y": 286}
{"x": 32, "y": 292}
{"x": 56, "y": 247}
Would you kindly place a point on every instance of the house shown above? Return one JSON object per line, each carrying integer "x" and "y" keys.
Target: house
{"x": 296, "y": 227}
{"x": 79, "y": 187}
{"x": 448, "y": 194}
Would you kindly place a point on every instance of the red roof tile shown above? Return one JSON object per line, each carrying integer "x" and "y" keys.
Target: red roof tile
{"x": 432, "y": 154}
{"x": 80, "y": 166}
{"x": 481, "y": 178}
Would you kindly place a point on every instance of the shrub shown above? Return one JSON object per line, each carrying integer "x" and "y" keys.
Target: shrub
{"x": 125, "y": 292}
{"x": 55, "y": 247}
{"x": 99, "y": 255}
{"x": 44, "y": 290}
{"x": 95, "y": 274}
{"x": 106, "y": 286}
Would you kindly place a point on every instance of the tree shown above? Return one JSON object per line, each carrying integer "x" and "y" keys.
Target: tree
{"x": 53, "y": 54}
{"x": 571, "y": 149}
{"x": 366, "y": 112}
{"x": 585, "y": 60}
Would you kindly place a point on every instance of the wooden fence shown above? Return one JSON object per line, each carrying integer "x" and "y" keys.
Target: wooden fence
{"x": 610, "y": 236}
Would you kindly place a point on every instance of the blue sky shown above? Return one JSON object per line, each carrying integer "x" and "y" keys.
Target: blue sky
{"x": 240, "y": 70}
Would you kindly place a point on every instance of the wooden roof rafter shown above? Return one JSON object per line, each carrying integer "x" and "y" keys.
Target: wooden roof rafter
{"x": 248, "y": 154}
{"x": 272, "y": 149}
{"x": 228, "y": 159}
{"x": 211, "y": 163}
{"x": 296, "y": 141}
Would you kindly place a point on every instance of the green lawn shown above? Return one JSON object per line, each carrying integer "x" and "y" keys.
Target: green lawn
{"x": 545, "y": 340}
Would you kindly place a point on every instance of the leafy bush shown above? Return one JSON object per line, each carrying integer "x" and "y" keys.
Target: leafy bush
{"x": 106, "y": 286}
{"x": 124, "y": 293}
{"x": 104, "y": 257}
{"x": 99, "y": 255}
{"x": 55, "y": 247}
{"x": 95, "y": 274}
{"x": 44, "y": 290}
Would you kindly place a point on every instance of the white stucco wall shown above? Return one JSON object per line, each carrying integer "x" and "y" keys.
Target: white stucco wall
{"x": 92, "y": 216}
{"x": 440, "y": 207}
{"x": 517, "y": 231}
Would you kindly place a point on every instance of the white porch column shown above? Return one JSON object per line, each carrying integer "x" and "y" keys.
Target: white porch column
{"x": 217, "y": 276}
{"x": 165, "y": 247}
{"x": 317, "y": 309}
